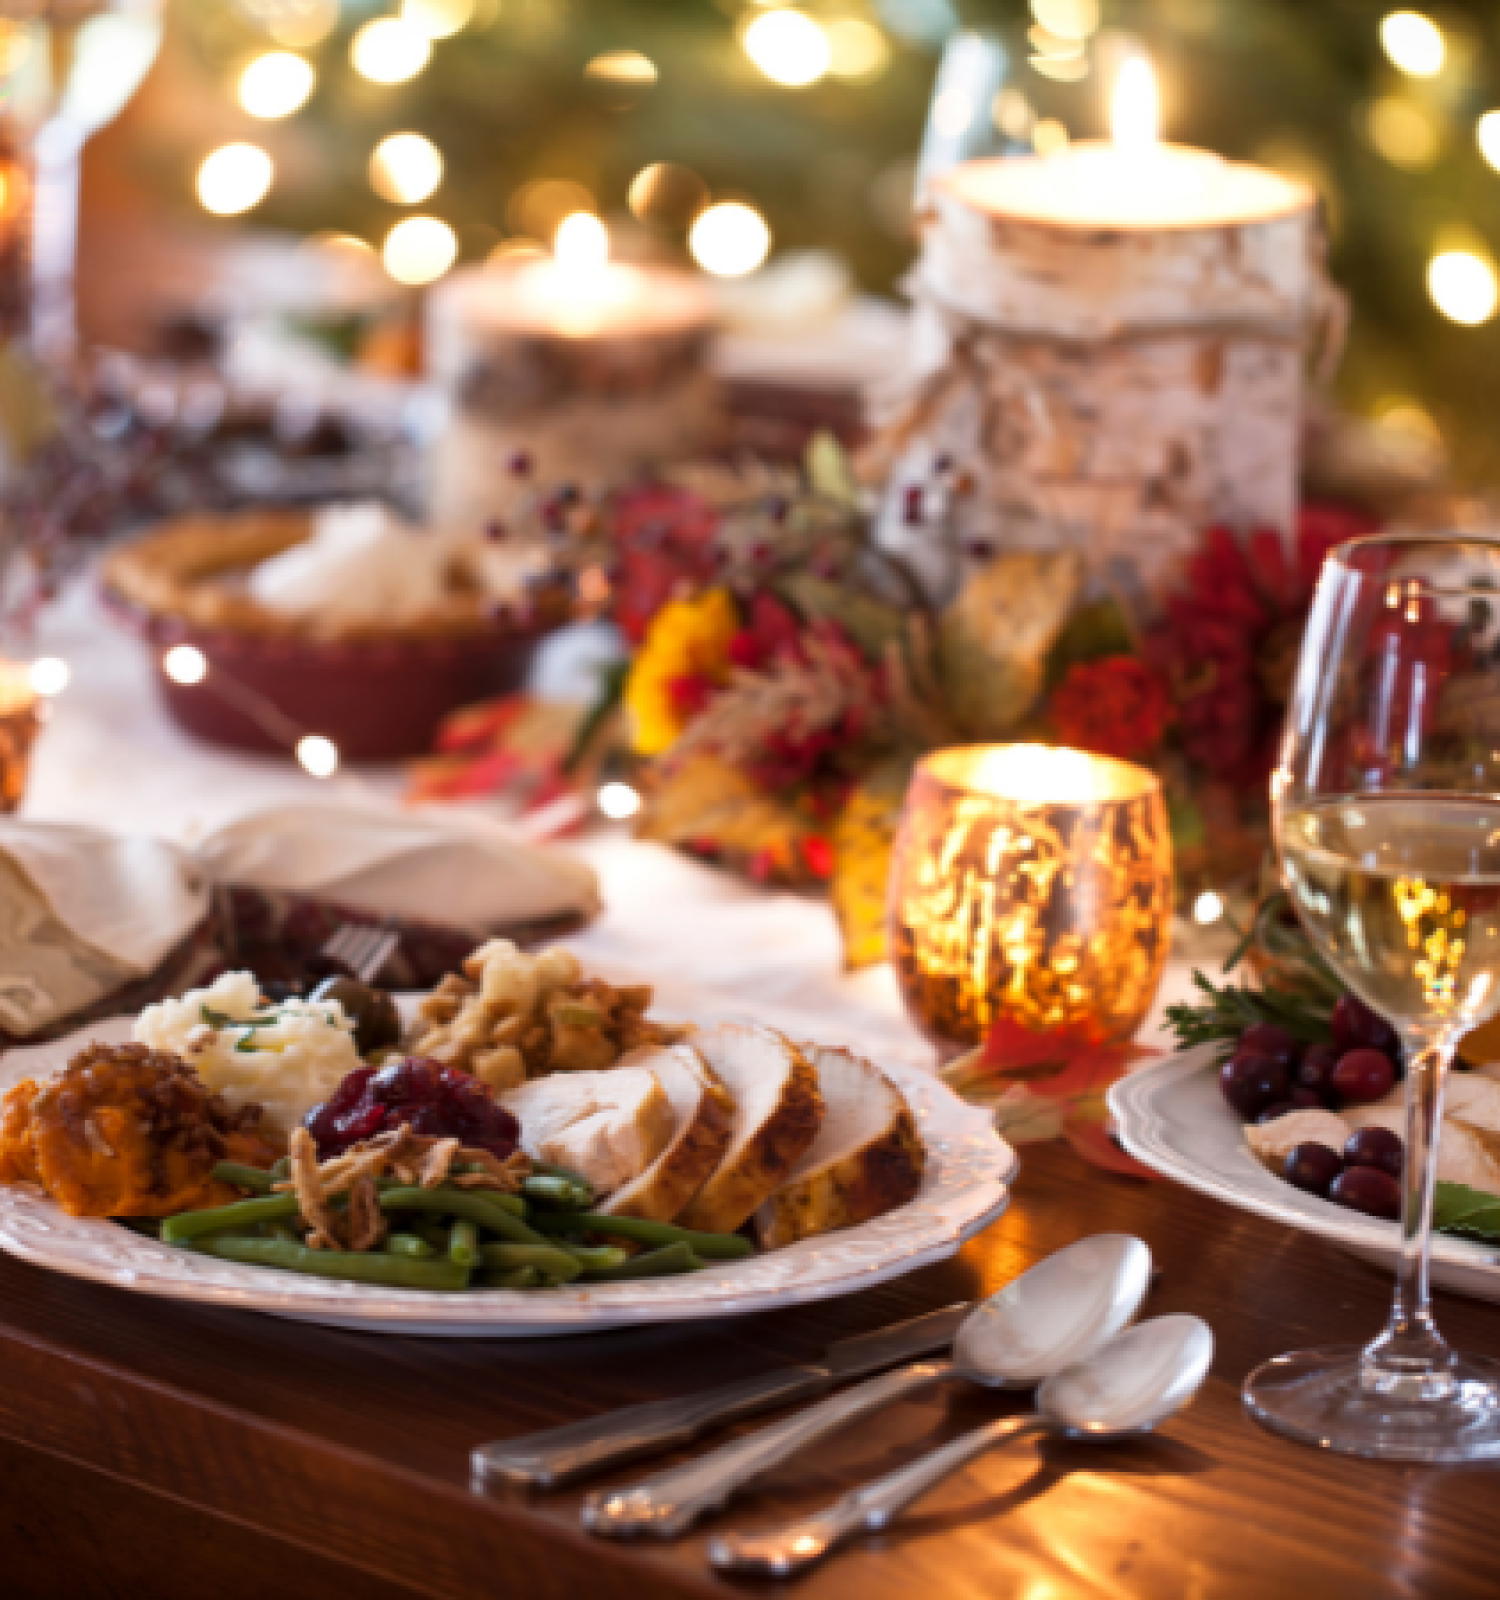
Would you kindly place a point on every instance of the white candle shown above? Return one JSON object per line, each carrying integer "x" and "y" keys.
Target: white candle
{"x": 1132, "y": 180}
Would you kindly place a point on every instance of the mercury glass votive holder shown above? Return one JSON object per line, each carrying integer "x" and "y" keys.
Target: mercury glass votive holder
{"x": 1032, "y": 884}
{"x": 21, "y": 715}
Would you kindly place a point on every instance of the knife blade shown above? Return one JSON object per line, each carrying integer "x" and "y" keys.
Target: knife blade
{"x": 557, "y": 1456}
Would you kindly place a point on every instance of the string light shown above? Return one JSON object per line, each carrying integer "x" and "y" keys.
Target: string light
{"x": 276, "y": 85}
{"x": 235, "y": 178}
{"x": 419, "y": 250}
{"x": 1402, "y": 133}
{"x": 298, "y": 23}
{"x": 730, "y": 240}
{"x": 1414, "y": 43}
{"x": 405, "y": 168}
{"x": 789, "y": 47}
{"x": 1463, "y": 287}
{"x": 319, "y": 756}
{"x": 50, "y": 675}
{"x": 628, "y": 68}
{"x": 185, "y": 664}
{"x": 1488, "y": 134}
{"x": 390, "y": 50}
{"x": 438, "y": 19}
{"x": 618, "y": 801}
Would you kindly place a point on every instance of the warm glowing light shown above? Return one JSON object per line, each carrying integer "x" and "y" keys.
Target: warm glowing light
{"x": 789, "y": 47}
{"x": 297, "y": 23}
{"x": 185, "y": 663}
{"x": 234, "y": 178}
{"x": 856, "y": 49}
{"x": 626, "y": 67}
{"x": 1049, "y": 136}
{"x": 1042, "y": 774}
{"x": 667, "y": 193}
{"x": 1208, "y": 908}
{"x": 1402, "y": 133}
{"x": 390, "y": 50}
{"x": 438, "y": 19}
{"x": 405, "y": 168}
{"x": 1135, "y": 110}
{"x": 50, "y": 675}
{"x": 342, "y": 244}
{"x": 1414, "y": 43}
{"x": 581, "y": 242}
{"x": 1488, "y": 134}
{"x": 618, "y": 801}
{"x": 1463, "y": 286}
{"x": 419, "y": 250}
{"x": 318, "y": 755}
{"x": 1068, "y": 19}
{"x": 730, "y": 240}
{"x": 276, "y": 85}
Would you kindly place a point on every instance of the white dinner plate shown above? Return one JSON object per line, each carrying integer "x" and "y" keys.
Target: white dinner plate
{"x": 1172, "y": 1116}
{"x": 964, "y": 1189}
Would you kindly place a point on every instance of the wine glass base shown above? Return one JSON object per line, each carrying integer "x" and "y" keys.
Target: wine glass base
{"x": 1316, "y": 1397}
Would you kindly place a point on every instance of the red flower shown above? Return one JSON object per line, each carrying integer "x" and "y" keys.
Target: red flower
{"x": 1114, "y": 707}
{"x": 773, "y": 634}
{"x": 665, "y": 538}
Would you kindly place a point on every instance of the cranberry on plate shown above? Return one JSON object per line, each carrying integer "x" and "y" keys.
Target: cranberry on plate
{"x": 1370, "y": 1190}
{"x": 432, "y": 1099}
{"x": 1362, "y": 1076}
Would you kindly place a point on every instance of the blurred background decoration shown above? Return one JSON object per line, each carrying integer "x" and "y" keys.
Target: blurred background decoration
{"x": 426, "y": 133}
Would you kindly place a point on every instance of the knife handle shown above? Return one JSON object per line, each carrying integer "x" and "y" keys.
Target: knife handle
{"x": 557, "y": 1456}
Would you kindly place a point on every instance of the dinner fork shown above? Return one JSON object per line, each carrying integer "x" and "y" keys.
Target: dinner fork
{"x": 363, "y": 947}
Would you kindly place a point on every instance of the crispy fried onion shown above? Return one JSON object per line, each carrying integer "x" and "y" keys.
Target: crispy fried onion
{"x": 410, "y": 1158}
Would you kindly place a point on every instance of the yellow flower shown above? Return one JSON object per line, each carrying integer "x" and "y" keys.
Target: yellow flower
{"x": 686, "y": 648}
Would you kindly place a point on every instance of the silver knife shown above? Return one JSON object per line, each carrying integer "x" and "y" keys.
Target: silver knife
{"x": 557, "y": 1456}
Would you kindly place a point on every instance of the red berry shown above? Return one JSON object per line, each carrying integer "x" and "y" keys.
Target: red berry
{"x": 1376, "y": 1147}
{"x": 1362, "y": 1076}
{"x": 1370, "y": 1190}
{"x": 1266, "y": 1039}
{"x": 1312, "y": 1167}
{"x": 1252, "y": 1083}
{"x": 1356, "y": 1027}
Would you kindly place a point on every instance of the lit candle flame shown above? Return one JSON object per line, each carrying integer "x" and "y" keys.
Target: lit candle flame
{"x": 581, "y": 243}
{"x": 1135, "y": 109}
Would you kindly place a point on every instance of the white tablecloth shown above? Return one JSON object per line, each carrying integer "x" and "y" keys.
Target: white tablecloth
{"x": 110, "y": 758}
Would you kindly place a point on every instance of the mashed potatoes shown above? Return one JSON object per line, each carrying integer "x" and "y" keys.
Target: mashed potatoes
{"x": 291, "y": 1060}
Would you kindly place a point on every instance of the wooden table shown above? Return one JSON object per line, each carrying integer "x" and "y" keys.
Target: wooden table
{"x": 150, "y": 1449}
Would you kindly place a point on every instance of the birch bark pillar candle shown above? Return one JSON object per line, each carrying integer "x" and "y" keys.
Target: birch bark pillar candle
{"x": 591, "y": 370}
{"x": 1109, "y": 347}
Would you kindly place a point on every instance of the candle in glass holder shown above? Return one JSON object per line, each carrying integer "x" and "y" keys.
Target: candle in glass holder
{"x": 21, "y": 713}
{"x": 1030, "y": 884}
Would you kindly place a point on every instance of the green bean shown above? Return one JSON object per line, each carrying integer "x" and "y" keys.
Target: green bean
{"x": 461, "y": 1203}
{"x": 557, "y": 1191}
{"x": 371, "y": 1266}
{"x": 547, "y": 1259}
{"x": 463, "y": 1242}
{"x": 711, "y": 1246}
{"x": 595, "y": 1256}
{"x": 243, "y": 1177}
{"x": 410, "y": 1245}
{"x": 518, "y": 1278}
{"x": 547, "y": 1169}
{"x": 192, "y": 1224}
{"x": 282, "y": 1230}
{"x": 672, "y": 1258}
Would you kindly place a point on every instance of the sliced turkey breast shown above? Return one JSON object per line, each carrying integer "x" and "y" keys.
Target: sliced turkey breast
{"x": 1468, "y": 1149}
{"x": 607, "y": 1126}
{"x": 703, "y": 1121}
{"x": 867, "y": 1158}
{"x": 777, "y": 1114}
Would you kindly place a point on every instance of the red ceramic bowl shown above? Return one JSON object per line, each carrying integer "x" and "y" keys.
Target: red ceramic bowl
{"x": 377, "y": 700}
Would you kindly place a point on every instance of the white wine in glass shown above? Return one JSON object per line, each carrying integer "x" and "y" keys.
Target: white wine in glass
{"x": 1387, "y": 811}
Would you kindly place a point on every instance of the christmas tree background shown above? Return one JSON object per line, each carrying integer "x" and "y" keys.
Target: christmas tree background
{"x": 534, "y": 114}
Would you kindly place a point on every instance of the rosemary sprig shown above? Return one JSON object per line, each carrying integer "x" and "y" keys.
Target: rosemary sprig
{"x": 1226, "y": 1011}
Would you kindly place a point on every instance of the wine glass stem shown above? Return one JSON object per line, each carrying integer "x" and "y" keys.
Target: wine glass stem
{"x": 1411, "y": 1360}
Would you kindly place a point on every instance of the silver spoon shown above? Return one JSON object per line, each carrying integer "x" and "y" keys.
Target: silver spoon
{"x": 1060, "y": 1311}
{"x": 1130, "y": 1385}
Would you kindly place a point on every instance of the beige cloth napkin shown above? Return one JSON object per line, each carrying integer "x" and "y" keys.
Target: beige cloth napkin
{"x": 84, "y": 912}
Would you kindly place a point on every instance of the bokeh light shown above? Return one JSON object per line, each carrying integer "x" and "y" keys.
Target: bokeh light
{"x": 1049, "y": 136}
{"x": 276, "y": 84}
{"x": 581, "y": 241}
{"x": 857, "y": 50}
{"x": 50, "y": 675}
{"x": 1208, "y": 908}
{"x": 405, "y": 168}
{"x": 628, "y": 68}
{"x": 667, "y": 194}
{"x": 390, "y": 50}
{"x": 297, "y": 23}
{"x": 730, "y": 240}
{"x": 438, "y": 19}
{"x": 1403, "y": 133}
{"x": 419, "y": 250}
{"x": 536, "y": 208}
{"x": 1067, "y": 19}
{"x": 789, "y": 47}
{"x": 235, "y": 178}
{"x": 1463, "y": 286}
{"x": 318, "y": 755}
{"x": 185, "y": 664}
{"x": 1488, "y": 134}
{"x": 618, "y": 801}
{"x": 1414, "y": 43}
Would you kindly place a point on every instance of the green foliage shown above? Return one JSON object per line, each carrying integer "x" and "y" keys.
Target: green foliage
{"x": 1456, "y": 1208}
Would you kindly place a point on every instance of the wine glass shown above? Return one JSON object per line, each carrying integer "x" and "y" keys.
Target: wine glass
{"x": 1387, "y": 812}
